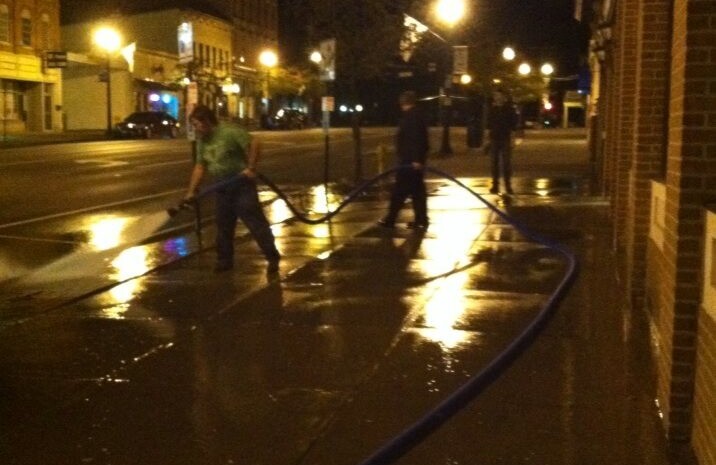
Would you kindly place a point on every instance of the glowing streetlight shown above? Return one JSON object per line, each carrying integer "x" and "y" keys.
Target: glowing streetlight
{"x": 465, "y": 79}
{"x": 109, "y": 41}
{"x": 316, "y": 57}
{"x": 450, "y": 11}
{"x": 547, "y": 69}
{"x": 268, "y": 60}
{"x": 508, "y": 53}
{"x": 524, "y": 69}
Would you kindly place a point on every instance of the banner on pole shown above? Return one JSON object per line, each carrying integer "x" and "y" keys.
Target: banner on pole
{"x": 459, "y": 59}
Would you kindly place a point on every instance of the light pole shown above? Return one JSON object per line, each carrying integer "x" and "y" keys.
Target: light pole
{"x": 108, "y": 40}
{"x": 449, "y": 12}
{"x": 268, "y": 60}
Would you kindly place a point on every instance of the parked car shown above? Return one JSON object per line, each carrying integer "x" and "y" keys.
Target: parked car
{"x": 148, "y": 124}
{"x": 289, "y": 118}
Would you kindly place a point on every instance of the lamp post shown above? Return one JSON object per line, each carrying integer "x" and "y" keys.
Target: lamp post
{"x": 108, "y": 40}
{"x": 449, "y": 12}
{"x": 268, "y": 60}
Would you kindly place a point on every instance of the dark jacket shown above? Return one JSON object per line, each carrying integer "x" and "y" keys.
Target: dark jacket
{"x": 411, "y": 142}
{"x": 501, "y": 121}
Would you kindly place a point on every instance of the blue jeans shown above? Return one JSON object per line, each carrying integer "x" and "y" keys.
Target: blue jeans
{"x": 501, "y": 153}
{"x": 409, "y": 182}
{"x": 240, "y": 199}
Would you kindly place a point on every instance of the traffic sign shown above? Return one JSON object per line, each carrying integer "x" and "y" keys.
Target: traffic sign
{"x": 56, "y": 59}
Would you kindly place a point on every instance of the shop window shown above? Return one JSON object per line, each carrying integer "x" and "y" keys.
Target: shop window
{"x": 11, "y": 101}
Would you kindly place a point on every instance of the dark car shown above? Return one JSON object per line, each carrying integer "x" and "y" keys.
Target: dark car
{"x": 289, "y": 118}
{"x": 148, "y": 124}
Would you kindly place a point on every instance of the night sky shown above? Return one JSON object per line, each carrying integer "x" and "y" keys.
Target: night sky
{"x": 541, "y": 29}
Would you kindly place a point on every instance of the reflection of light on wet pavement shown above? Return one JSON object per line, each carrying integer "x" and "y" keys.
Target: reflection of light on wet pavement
{"x": 278, "y": 211}
{"x": 457, "y": 197}
{"x": 322, "y": 230}
{"x": 320, "y": 200}
{"x": 452, "y": 247}
{"x": 106, "y": 232}
{"x": 542, "y": 187}
{"x": 177, "y": 246}
{"x": 443, "y": 310}
{"x": 128, "y": 264}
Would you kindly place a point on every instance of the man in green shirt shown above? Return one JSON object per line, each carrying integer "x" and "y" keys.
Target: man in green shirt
{"x": 226, "y": 151}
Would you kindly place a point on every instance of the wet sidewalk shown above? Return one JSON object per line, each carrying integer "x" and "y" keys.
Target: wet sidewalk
{"x": 363, "y": 331}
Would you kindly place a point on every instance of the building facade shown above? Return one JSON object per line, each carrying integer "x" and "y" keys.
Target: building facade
{"x": 30, "y": 92}
{"x": 206, "y": 53}
{"x": 653, "y": 139}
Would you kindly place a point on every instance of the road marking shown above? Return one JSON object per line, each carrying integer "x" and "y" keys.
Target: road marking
{"x": 89, "y": 209}
{"x": 102, "y": 163}
{"x": 36, "y": 239}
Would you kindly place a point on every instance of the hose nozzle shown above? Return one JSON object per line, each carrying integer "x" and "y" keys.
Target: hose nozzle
{"x": 185, "y": 205}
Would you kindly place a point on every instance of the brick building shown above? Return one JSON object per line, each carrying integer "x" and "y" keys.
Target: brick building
{"x": 653, "y": 139}
{"x": 226, "y": 38}
{"x": 30, "y": 93}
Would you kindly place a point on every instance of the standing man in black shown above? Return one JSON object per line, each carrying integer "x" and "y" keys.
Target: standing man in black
{"x": 501, "y": 123}
{"x": 411, "y": 146}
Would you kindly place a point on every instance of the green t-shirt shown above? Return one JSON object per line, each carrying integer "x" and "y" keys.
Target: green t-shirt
{"x": 224, "y": 153}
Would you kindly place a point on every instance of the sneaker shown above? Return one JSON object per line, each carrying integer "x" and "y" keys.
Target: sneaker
{"x": 220, "y": 267}
{"x": 273, "y": 265}
{"x": 416, "y": 225}
{"x": 386, "y": 224}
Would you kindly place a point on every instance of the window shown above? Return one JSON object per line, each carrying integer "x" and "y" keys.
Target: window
{"x": 45, "y": 32}
{"x": 11, "y": 100}
{"x": 26, "y": 28}
{"x": 4, "y": 23}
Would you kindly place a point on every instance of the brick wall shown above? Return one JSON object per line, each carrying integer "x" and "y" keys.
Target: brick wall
{"x": 689, "y": 184}
{"x": 627, "y": 41}
{"x": 704, "y": 433}
{"x": 704, "y": 426}
{"x": 661, "y": 322}
{"x": 654, "y": 37}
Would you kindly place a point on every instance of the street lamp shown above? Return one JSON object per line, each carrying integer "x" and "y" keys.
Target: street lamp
{"x": 508, "y": 53}
{"x": 108, "y": 40}
{"x": 449, "y": 12}
{"x": 316, "y": 57}
{"x": 524, "y": 69}
{"x": 268, "y": 59}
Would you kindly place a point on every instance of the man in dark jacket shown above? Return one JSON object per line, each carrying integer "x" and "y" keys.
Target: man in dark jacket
{"x": 411, "y": 145}
{"x": 501, "y": 122}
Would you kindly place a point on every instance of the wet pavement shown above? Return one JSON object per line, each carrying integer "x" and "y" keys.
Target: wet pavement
{"x": 361, "y": 333}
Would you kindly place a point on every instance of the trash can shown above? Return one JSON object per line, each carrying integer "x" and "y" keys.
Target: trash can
{"x": 474, "y": 123}
{"x": 474, "y": 134}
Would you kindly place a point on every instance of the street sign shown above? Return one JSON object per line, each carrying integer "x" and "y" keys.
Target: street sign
{"x": 55, "y": 59}
{"x": 328, "y": 103}
{"x": 459, "y": 60}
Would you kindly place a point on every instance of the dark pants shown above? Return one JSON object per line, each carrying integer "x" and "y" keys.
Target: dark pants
{"x": 241, "y": 200}
{"x": 501, "y": 154}
{"x": 409, "y": 182}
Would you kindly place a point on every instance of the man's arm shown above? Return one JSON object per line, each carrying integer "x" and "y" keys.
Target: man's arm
{"x": 197, "y": 174}
{"x": 252, "y": 158}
